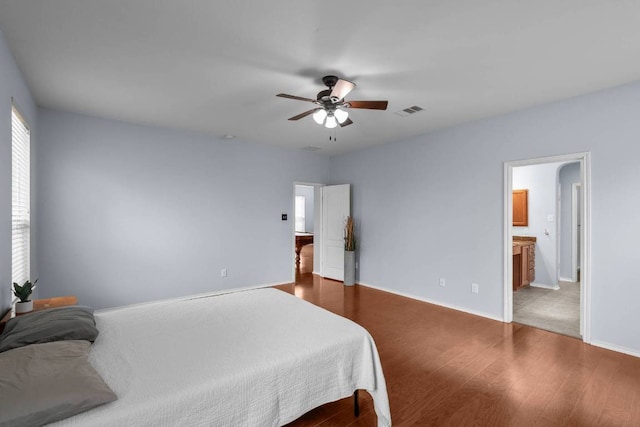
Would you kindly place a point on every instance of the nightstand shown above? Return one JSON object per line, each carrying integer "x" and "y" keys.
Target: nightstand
{"x": 41, "y": 304}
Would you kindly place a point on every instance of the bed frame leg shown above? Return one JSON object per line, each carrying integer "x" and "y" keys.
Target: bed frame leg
{"x": 356, "y": 404}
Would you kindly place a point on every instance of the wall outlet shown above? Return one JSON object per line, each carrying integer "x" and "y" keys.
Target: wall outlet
{"x": 443, "y": 283}
{"x": 223, "y": 272}
{"x": 356, "y": 265}
{"x": 475, "y": 288}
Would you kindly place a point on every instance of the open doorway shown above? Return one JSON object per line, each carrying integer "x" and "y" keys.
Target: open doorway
{"x": 539, "y": 290}
{"x": 543, "y": 296}
{"x": 305, "y": 230}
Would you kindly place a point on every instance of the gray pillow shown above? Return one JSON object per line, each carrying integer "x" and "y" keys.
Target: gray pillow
{"x": 42, "y": 383}
{"x": 53, "y": 324}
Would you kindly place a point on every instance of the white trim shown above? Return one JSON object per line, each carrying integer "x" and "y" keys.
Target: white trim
{"x": 566, "y": 279}
{"x": 317, "y": 226}
{"x": 544, "y": 286}
{"x": 585, "y": 235}
{"x": 558, "y": 224}
{"x": 585, "y": 249}
{"x": 600, "y": 344}
{"x": 575, "y": 187}
{"x": 292, "y": 230}
{"x": 430, "y": 301}
{"x": 507, "y": 264}
{"x": 616, "y": 348}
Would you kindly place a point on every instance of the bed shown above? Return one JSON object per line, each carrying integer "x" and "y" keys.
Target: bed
{"x": 247, "y": 358}
{"x": 302, "y": 239}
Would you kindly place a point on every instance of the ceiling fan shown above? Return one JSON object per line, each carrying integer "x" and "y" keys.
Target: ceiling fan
{"x": 331, "y": 105}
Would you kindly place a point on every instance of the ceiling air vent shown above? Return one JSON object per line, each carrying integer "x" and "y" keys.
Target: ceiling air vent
{"x": 408, "y": 111}
{"x": 311, "y": 148}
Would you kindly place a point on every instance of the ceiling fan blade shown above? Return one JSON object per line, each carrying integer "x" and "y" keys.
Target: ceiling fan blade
{"x": 305, "y": 114}
{"x": 341, "y": 89}
{"x": 346, "y": 123}
{"x": 370, "y": 105}
{"x": 299, "y": 98}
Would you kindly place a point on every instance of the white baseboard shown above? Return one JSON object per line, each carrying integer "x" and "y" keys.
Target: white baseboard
{"x": 616, "y": 348}
{"x": 565, "y": 279}
{"x": 441, "y": 304}
{"x": 608, "y": 346}
{"x": 544, "y": 286}
{"x": 315, "y": 272}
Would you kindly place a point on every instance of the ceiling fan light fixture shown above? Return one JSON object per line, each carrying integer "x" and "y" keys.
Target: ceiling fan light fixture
{"x": 331, "y": 122}
{"x": 341, "y": 115}
{"x": 329, "y": 105}
{"x": 319, "y": 116}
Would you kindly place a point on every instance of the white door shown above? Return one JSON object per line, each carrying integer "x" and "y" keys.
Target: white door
{"x": 336, "y": 207}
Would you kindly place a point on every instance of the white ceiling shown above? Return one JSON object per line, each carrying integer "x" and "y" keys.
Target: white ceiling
{"x": 216, "y": 66}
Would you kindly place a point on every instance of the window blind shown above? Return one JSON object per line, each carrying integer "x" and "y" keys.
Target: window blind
{"x": 300, "y": 214}
{"x": 20, "y": 199}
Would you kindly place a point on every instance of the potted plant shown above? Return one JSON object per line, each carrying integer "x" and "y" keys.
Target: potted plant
{"x": 24, "y": 292}
{"x": 349, "y": 252}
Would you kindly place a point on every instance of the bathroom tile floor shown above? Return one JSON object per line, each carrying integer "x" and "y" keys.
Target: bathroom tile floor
{"x": 553, "y": 310}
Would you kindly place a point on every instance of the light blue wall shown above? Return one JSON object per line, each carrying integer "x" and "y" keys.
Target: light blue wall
{"x": 432, "y": 206}
{"x": 132, "y": 213}
{"x": 11, "y": 85}
{"x": 569, "y": 175}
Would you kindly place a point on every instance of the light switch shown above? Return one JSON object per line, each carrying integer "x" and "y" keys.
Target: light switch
{"x": 550, "y": 217}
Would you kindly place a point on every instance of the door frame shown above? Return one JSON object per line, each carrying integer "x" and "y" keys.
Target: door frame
{"x": 575, "y": 188}
{"x": 585, "y": 235}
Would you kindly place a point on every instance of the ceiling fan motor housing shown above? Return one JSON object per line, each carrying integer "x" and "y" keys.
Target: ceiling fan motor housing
{"x": 324, "y": 95}
{"x": 325, "y": 100}
{"x": 330, "y": 81}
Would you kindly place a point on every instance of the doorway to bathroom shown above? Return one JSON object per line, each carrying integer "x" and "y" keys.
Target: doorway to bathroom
{"x": 546, "y": 268}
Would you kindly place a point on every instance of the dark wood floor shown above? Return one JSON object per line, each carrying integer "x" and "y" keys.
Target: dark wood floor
{"x": 445, "y": 367}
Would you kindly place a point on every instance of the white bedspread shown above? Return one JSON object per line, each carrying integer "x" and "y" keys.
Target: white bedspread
{"x": 249, "y": 358}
